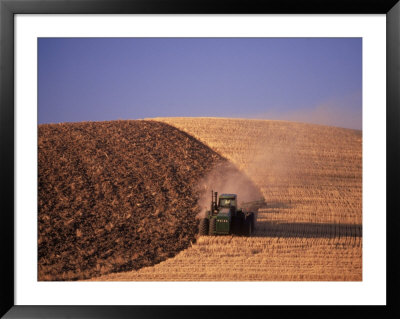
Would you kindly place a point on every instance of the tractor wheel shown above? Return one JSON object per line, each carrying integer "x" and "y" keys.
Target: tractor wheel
{"x": 203, "y": 227}
{"x": 253, "y": 221}
{"x": 239, "y": 223}
{"x": 248, "y": 228}
{"x": 234, "y": 225}
{"x": 213, "y": 226}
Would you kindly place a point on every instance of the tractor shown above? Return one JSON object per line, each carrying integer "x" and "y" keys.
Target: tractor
{"x": 225, "y": 218}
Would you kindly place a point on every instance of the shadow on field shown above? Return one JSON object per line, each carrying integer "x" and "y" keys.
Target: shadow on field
{"x": 306, "y": 230}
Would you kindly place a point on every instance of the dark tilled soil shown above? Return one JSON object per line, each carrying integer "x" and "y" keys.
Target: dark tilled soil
{"x": 115, "y": 196}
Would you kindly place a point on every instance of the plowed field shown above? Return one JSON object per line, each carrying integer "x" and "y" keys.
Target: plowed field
{"x": 311, "y": 178}
{"x": 116, "y": 196}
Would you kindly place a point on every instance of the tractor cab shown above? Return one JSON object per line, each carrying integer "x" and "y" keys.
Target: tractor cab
{"x": 228, "y": 201}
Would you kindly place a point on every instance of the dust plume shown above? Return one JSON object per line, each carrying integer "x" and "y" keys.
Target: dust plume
{"x": 271, "y": 164}
{"x": 345, "y": 112}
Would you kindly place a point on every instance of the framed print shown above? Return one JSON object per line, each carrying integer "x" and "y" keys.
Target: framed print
{"x": 176, "y": 159}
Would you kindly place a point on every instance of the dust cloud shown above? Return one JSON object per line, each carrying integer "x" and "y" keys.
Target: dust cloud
{"x": 344, "y": 113}
{"x": 271, "y": 164}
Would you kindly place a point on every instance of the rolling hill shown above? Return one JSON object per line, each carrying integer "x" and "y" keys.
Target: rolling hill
{"x": 311, "y": 230}
{"x": 120, "y": 200}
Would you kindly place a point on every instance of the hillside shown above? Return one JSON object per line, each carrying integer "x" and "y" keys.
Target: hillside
{"x": 116, "y": 196}
{"x": 311, "y": 178}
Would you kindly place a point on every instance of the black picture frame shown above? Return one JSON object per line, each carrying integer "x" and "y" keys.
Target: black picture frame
{"x": 8, "y": 8}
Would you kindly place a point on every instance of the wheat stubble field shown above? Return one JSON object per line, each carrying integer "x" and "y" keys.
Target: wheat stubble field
{"x": 311, "y": 229}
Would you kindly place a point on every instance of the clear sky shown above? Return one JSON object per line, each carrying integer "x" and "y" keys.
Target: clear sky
{"x": 315, "y": 80}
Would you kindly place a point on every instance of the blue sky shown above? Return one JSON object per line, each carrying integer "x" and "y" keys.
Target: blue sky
{"x": 315, "y": 80}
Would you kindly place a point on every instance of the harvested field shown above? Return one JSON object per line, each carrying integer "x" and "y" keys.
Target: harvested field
{"x": 311, "y": 230}
{"x": 116, "y": 196}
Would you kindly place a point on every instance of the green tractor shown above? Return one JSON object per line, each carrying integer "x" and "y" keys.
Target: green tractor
{"x": 225, "y": 218}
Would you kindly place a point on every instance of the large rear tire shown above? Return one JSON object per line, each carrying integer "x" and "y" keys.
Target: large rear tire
{"x": 253, "y": 221}
{"x": 248, "y": 226}
{"x": 234, "y": 225}
{"x": 213, "y": 226}
{"x": 203, "y": 227}
{"x": 239, "y": 223}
